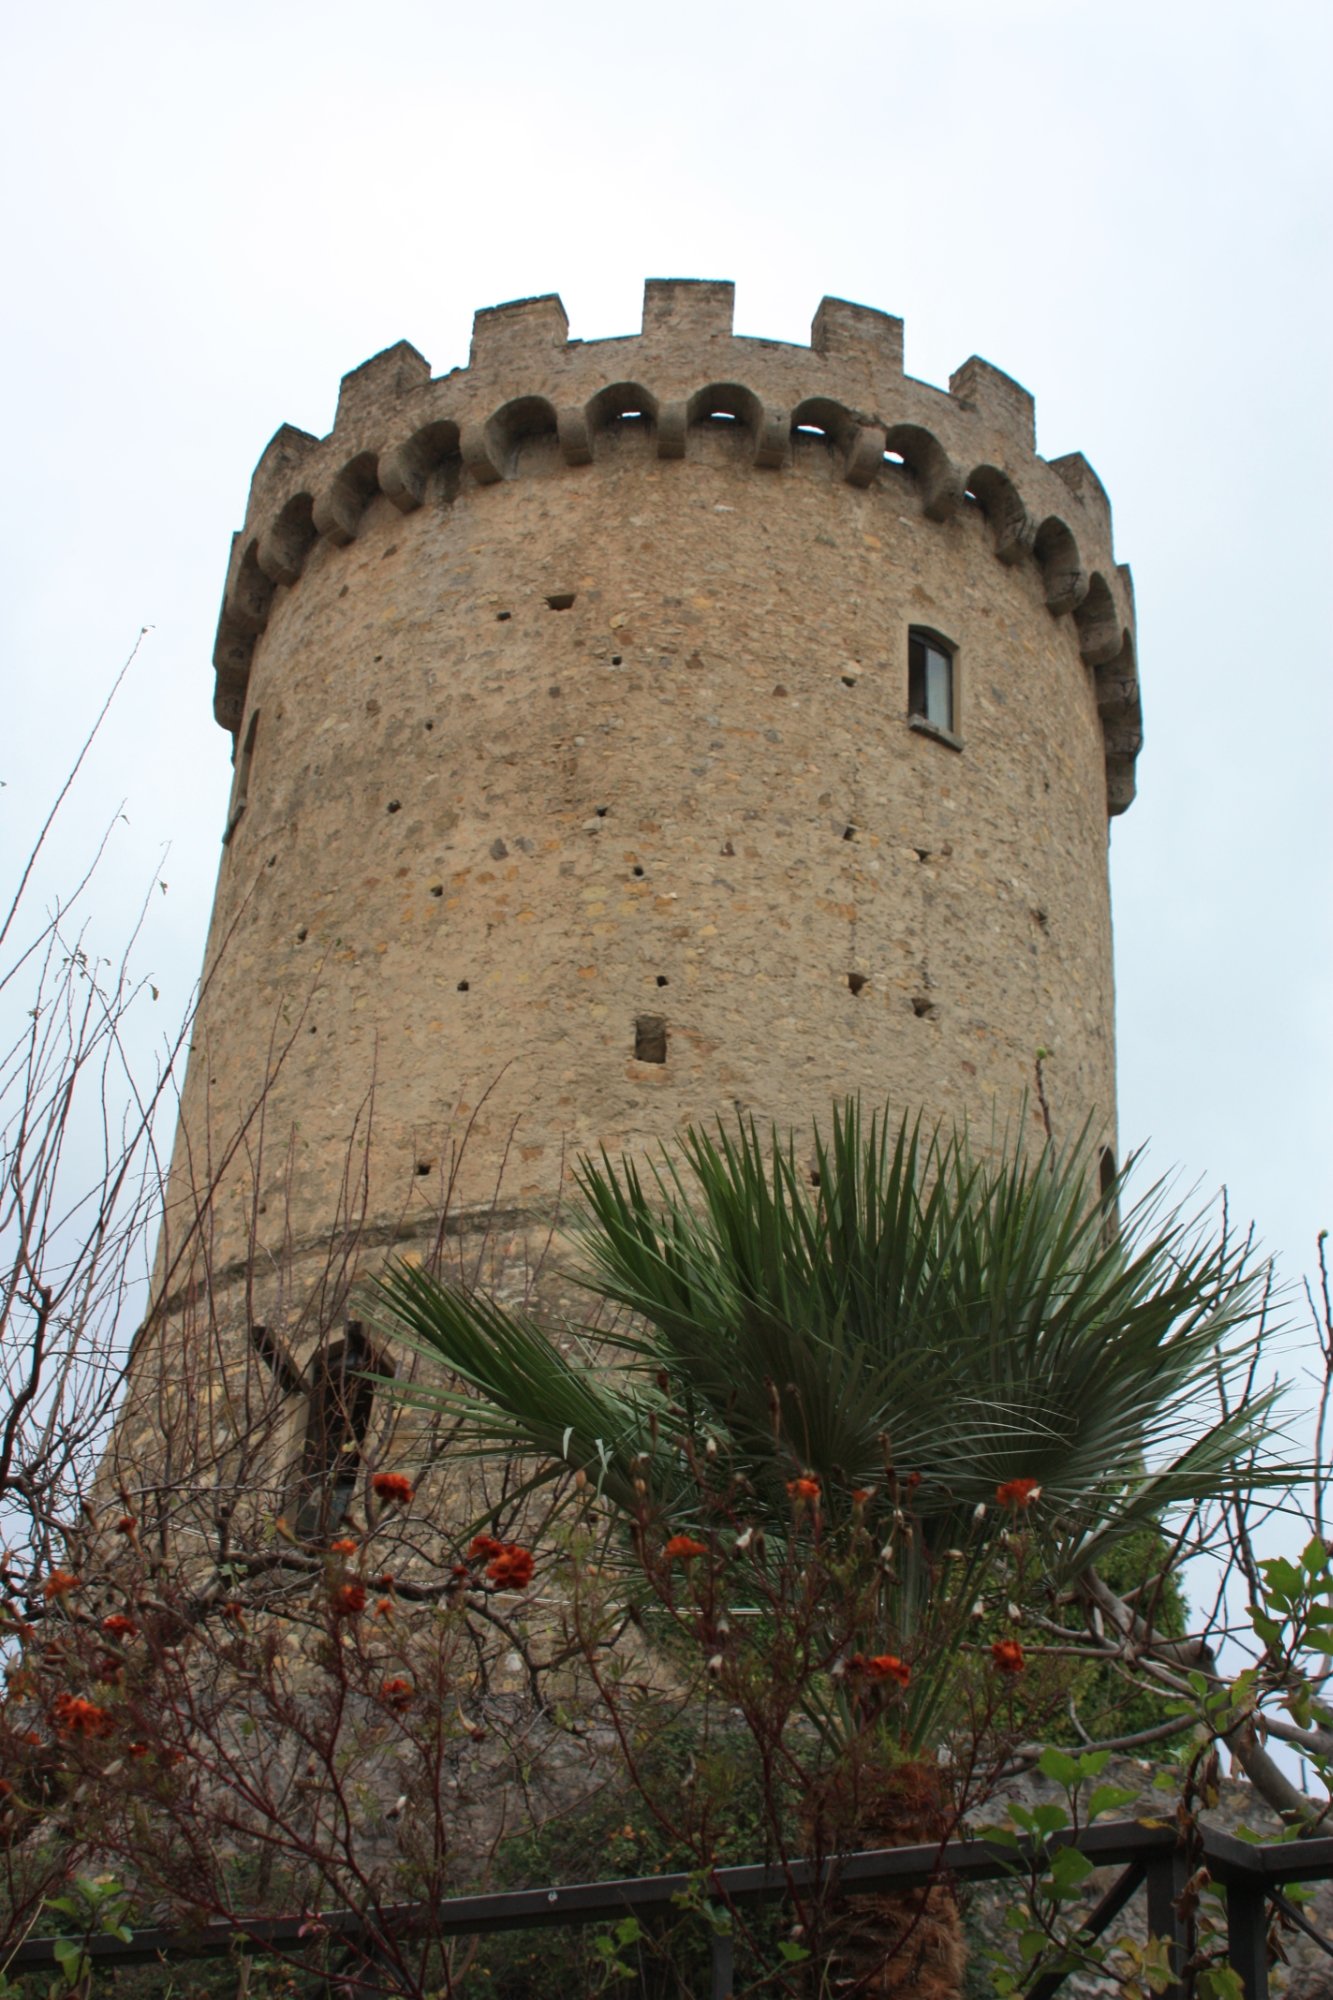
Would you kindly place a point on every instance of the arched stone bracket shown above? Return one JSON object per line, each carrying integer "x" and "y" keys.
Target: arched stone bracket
{"x": 479, "y": 454}
{"x": 1012, "y": 526}
{"x": 575, "y": 442}
{"x": 284, "y": 545}
{"x": 938, "y": 481}
{"x": 337, "y": 510}
{"x": 771, "y": 439}
{"x": 1066, "y": 580}
{"x": 1099, "y": 628}
{"x": 865, "y": 455}
{"x": 405, "y": 472}
{"x": 672, "y": 424}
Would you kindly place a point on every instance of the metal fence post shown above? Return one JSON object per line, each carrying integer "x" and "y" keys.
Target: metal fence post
{"x": 724, "y": 1962}
{"x": 1247, "y": 1937}
{"x": 1166, "y": 1880}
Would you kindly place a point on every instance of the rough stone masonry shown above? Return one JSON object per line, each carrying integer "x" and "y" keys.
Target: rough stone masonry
{"x": 583, "y": 786}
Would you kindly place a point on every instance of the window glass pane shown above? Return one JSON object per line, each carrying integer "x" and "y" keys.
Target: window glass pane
{"x": 916, "y": 677}
{"x": 939, "y": 689}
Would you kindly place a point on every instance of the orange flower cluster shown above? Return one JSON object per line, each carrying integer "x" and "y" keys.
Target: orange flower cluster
{"x": 880, "y": 1667}
{"x": 349, "y": 1600}
{"x": 508, "y": 1564}
{"x": 1018, "y": 1493}
{"x": 512, "y": 1568}
{"x": 804, "y": 1488}
{"x": 118, "y": 1626}
{"x": 395, "y": 1487}
{"x": 59, "y": 1584}
{"x": 71, "y": 1715}
{"x": 397, "y": 1694}
{"x": 1008, "y": 1656}
{"x": 346, "y": 1545}
{"x": 684, "y": 1548}
{"x": 126, "y": 1524}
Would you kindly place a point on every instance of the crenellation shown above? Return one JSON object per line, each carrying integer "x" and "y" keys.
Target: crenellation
{"x": 1081, "y": 480}
{"x": 1002, "y": 403}
{"x": 280, "y": 463}
{"x": 522, "y": 331}
{"x": 689, "y": 309}
{"x": 382, "y": 379}
{"x": 847, "y": 332}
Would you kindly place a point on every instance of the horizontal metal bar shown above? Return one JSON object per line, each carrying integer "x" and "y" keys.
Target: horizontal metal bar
{"x": 880, "y": 1869}
{"x": 1268, "y": 1860}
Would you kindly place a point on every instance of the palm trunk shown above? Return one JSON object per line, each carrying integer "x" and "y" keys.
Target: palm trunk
{"x": 906, "y": 1945}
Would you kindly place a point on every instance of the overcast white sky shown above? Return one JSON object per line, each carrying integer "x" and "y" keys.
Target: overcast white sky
{"x": 214, "y": 213}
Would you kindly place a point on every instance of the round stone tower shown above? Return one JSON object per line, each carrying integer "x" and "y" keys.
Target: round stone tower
{"x": 632, "y": 730}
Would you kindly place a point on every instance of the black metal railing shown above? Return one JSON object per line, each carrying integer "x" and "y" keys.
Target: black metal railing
{"x": 1150, "y": 1858}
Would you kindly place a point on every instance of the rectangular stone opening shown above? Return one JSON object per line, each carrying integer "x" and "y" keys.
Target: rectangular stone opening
{"x": 650, "y": 1038}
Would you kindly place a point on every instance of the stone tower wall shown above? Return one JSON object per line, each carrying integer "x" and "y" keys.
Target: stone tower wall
{"x": 570, "y": 693}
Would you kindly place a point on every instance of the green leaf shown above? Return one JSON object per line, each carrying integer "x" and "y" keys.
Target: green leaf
{"x": 1063, "y": 1769}
{"x": 1069, "y": 1870}
{"x": 1107, "y": 1798}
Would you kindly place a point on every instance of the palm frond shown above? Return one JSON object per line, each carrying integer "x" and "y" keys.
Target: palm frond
{"x": 907, "y": 1307}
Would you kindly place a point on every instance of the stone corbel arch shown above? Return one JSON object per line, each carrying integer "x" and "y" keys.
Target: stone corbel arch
{"x": 338, "y": 508}
{"x": 1057, "y": 554}
{"x": 406, "y": 471}
{"x": 282, "y": 548}
{"x": 937, "y": 479}
{"x": 1012, "y": 527}
{"x": 860, "y": 445}
{"x": 517, "y": 423}
{"x": 1099, "y": 629}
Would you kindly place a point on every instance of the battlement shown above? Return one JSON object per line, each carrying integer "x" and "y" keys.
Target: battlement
{"x": 419, "y": 440}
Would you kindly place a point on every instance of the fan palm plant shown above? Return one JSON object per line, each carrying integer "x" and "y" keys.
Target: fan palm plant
{"x": 901, "y": 1315}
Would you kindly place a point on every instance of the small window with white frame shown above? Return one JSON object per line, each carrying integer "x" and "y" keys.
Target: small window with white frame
{"x": 931, "y": 691}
